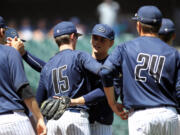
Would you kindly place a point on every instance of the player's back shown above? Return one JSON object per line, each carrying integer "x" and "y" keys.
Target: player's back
{"x": 150, "y": 65}
{"x": 65, "y": 73}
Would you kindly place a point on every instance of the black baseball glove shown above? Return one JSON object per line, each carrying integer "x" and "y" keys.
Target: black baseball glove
{"x": 54, "y": 108}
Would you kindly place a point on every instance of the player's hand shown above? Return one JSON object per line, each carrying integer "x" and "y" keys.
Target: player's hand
{"x": 17, "y": 44}
{"x": 41, "y": 127}
{"x": 120, "y": 111}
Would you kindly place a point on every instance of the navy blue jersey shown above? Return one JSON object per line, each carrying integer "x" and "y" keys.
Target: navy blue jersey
{"x": 100, "y": 111}
{"x": 150, "y": 71}
{"x": 96, "y": 99}
{"x": 33, "y": 61}
{"x": 65, "y": 74}
{"x": 11, "y": 79}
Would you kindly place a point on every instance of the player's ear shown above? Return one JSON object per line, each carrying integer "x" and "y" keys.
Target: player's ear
{"x": 2, "y": 32}
{"x": 71, "y": 36}
{"x": 138, "y": 27}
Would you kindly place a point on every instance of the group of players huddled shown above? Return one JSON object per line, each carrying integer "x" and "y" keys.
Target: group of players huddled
{"x": 143, "y": 72}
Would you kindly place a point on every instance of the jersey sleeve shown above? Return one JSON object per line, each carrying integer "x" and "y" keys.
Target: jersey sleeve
{"x": 110, "y": 67}
{"x": 41, "y": 93}
{"x": 36, "y": 63}
{"x": 16, "y": 69}
{"x": 94, "y": 96}
{"x": 89, "y": 63}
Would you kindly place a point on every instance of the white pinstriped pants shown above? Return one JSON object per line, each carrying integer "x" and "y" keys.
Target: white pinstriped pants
{"x": 179, "y": 122}
{"x": 100, "y": 129}
{"x": 154, "y": 121}
{"x": 15, "y": 124}
{"x": 70, "y": 123}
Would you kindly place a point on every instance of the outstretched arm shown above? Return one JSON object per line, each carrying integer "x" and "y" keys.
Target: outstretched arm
{"x": 36, "y": 63}
{"x": 90, "y": 98}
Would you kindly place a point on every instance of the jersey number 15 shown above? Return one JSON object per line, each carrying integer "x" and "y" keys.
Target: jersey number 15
{"x": 60, "y": 82}
{"x": 153, "y": 64}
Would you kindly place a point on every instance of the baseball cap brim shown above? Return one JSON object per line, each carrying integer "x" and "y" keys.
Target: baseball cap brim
{"x": 23, "y": 40}
{"x": 101, "y": 35}
{"x": 135, "y": 18}
{"x": 79, "y": 34}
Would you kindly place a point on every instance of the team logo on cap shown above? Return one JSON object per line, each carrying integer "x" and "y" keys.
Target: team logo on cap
{"x": 101, "y": 29}
{"x": 13, "y": 33}
{"x": 154, "y": 20}
{"x": 166, "y": 29}
{"x": 58, "y": 31}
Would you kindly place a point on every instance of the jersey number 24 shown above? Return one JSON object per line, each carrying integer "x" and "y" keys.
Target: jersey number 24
{"x": 60, "y": 82}
{"x": 152, "y": 63}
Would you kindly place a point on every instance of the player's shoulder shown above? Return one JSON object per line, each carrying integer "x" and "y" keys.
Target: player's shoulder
{"x": 7, "y": 49}
{"x": 82, "y": 54}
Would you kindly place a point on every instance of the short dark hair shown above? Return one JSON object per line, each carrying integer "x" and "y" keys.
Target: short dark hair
{"x": 166, "y": 37}
{"x": 64, "y": 39}
{"x": 146, "y": 28}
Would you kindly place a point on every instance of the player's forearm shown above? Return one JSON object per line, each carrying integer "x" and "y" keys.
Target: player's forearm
{"x": 33, "y": 107}
{"x": 109, "y": 91}
{"x": 91, "y": 97}
{"x": 94, "y": 96}
{"x": 77, "y": 101}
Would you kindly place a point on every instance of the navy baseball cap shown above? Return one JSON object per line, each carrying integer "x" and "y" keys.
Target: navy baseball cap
{"x": 103, "y": 30}
{"x": 148, "y": 15}
{"x": 65, "y": 27}
{"x": 2, "y": 23}
{"x": 167, "y": 26}
{"x": 12, "y": 33}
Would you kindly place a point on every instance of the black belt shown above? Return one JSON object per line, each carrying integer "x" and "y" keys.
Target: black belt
{"x": 144, "y": 108}
{"x": 136, "y": 109}
{"x": 8, "y": 112}
{"x": 74, "y": 110}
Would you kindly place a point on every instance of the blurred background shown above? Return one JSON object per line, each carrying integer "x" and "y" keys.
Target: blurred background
{"x": 34, "y": 20}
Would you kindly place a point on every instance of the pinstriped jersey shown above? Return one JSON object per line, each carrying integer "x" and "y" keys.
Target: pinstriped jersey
{"x": 65, "y": 74}
{"x": 150, "y": 71}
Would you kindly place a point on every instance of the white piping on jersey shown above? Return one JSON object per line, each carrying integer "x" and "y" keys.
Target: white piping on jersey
{"x": 34, "y": 61}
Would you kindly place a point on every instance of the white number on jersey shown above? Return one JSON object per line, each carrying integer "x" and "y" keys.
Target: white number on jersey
{"x": 153, "y": 64}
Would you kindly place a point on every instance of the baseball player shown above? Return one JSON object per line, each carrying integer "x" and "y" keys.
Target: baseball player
{"x": 167, "y": 34}
{"x": 167, "y": 31}
{"x": 150, "y": 70}
{"x": 15, "y": 93}
{"x": 100, "y": 114}
{"x": 65, "y": 74}
{"x": 36, "y": 63}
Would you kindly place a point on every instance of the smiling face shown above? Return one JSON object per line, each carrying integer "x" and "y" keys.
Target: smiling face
{"x": 100, "y": 45}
